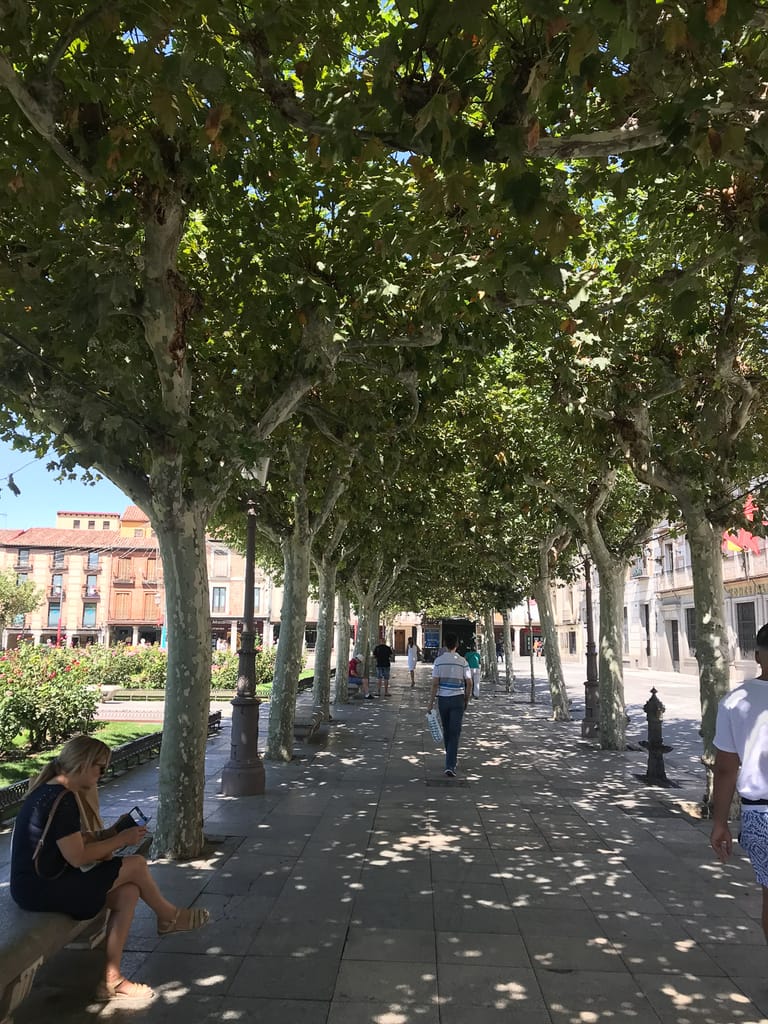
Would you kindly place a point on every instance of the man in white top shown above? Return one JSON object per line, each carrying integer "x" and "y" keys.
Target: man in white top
{"x": 741, "y": 760}
{"x": 451, "y": 683}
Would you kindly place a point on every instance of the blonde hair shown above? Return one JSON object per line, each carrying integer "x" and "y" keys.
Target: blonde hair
{"x": 78, "y": 754}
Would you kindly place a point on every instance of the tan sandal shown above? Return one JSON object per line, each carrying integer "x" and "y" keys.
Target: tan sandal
{"x": 186, "y": 919}
{"x": 125, "y": 991}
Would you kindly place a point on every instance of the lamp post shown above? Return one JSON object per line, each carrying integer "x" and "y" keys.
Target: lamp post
{"x": 590, "y": 724}
{"x": 243, "y": 774}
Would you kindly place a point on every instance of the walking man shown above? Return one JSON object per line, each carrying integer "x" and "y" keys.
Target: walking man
{"x": 451, "y": 683}
{"x": 383, "y": 654}
{"x": 741, "y": 741}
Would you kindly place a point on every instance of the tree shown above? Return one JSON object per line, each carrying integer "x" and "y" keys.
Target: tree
{"x": 666, "y": 349}
{"x": 16, "y": 598}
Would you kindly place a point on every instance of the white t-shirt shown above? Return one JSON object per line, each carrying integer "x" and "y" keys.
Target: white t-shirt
{"x": 742, "y": 728}
{"x": 451, "y": 669}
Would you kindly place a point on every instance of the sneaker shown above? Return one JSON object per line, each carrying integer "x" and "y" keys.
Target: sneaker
{"x": 368, "y": 696}
{"x": 450, "y": 773}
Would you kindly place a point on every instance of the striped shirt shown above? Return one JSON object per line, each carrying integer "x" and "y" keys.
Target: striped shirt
{"x": 451, "y": 670}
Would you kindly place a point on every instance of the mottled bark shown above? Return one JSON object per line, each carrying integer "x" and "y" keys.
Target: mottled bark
{"x": 290, "y": 647}
{"x": 711, "y": 633}
{"x": 325, "y": 621}
{"x": 561, "y": 711}
{"x": 509, "y": 669}
{"x": 179, "y": 829}
{"x": 493, "y": 665}
{"x": 613, "y": 716}
{"x": 342, "y": 649}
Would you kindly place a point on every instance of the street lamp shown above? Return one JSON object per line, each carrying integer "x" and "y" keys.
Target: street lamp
{"x": 590, "y": 724}
{"x": 243, "y": 774}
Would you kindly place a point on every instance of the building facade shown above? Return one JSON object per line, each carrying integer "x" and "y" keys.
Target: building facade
{"x": 102, "y": 580}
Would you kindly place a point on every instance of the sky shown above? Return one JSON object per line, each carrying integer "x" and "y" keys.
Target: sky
{"x": 42, "y": 495}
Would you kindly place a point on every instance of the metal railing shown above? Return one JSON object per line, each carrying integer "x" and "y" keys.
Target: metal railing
{"x": 129, "y": 754}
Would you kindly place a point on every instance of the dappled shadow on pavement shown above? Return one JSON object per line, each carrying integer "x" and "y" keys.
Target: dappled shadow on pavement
{"x": 545, "y": 885}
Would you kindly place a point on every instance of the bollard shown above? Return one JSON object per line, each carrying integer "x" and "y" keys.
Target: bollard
{"x": 656, "y": 774}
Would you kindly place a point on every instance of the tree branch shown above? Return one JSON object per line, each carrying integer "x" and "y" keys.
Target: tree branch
{"x": 72, "y": 33}
{"x": 39, "y": 118}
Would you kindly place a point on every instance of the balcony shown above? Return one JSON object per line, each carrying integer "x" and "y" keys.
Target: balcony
{"x": 58, "y": 564}
{"x": 91, "y": 594}
{"x": 20, "y": 566}
{"x": 151, "y": 581}
{"x": 57, "y": 593}
{"x": 123, "y": 578}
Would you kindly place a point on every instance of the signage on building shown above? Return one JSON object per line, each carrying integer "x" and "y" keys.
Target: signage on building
{"x": 750, "y": 589}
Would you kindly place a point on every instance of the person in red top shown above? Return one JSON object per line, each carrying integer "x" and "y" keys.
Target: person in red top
{"x": 356, "y": 677}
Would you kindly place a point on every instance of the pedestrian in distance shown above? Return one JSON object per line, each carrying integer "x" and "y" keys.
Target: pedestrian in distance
{"x": 58, "y": 865}
{"x": 499, "y": 652}
{"x": 451, "y": 685}
{"x": 473, "y": 660}
{"x": 412, "y": 653}
{"x": 741, "y": 743}
{"x": 383, "y": 654}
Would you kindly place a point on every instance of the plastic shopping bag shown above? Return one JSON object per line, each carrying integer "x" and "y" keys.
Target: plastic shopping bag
{"x": 435, "y": 726}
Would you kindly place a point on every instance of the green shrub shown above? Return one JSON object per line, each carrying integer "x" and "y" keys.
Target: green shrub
{"x": 225, "y": 667}
{"x": 45, "y": 691}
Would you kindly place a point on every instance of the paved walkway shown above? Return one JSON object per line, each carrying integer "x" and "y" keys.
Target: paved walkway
{"x": 545, "y": 885}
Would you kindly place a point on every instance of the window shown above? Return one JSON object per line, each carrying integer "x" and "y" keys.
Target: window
{"x": 690, "y": 629}
{"x": 152, "y": 570}
{"x": 220, "y": 562}
{"x": 105, "y": 524}
{"x": 21, "y": 577}
{"x": 626, "y": 630}
{"x": 219, "y": 599}
{"x": 572, "y": 641}
{"x": 746, "y": 628}
{"x": 58, "y": 559}
{"x": 18, "y": 621}
{"x": 256, "y": 598}
{"x": 669, "y": 558}
{"x": 91, "y": 586}
{"x": 151, "y": 607}
{"x": 91, "y": 524}
{"x": 23, "y": 556}
{"x": 57, "y": 585}
{"x": 89, "y": 614}
{"x": 122, "y": 606}
{"x": 75, "y": 524}
{"x": 54, "y": 613}
{"x": 123, "y": 569}
{"x": 93, "y": 559}
{"x": 138, "y": 532}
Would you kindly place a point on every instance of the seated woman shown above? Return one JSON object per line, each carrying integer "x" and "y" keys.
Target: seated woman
{"x": 58, "y": 865}
{"x": 356, "y": 677}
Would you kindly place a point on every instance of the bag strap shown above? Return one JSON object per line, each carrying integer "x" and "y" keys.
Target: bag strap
{"x": 41, "y": 840}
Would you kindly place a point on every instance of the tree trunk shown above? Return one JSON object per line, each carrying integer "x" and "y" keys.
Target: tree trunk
{"x": 493, "y": 665}
{"x": 290, "y": 647}
{"x": 613, "y": 717}
{"x": 179, "y": 829}
{"x": 560, "y": 708}
{"x": 342, "y": 649}
{"x": 711, "y": 634}
{"x": 327, "y": 593}
{"x": 509, "y": 670}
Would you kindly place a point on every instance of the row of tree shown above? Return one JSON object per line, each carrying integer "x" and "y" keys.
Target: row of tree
{"x": 451, "y": 269}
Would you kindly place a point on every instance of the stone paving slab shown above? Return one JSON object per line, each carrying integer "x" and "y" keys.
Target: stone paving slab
{"x": 546, "y": 886}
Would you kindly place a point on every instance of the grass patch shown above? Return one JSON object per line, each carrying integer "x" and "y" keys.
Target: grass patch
{"x": 17, "y": 764}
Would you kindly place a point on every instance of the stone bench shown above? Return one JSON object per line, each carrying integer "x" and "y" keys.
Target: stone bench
{"x": 29, "y": 938}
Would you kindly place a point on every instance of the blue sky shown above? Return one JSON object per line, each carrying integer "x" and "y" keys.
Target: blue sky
{"x": 42, "y": 495}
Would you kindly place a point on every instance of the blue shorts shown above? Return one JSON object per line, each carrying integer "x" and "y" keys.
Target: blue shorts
{"x": 382, "y": 672}
{"x": 754, "y": 841}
